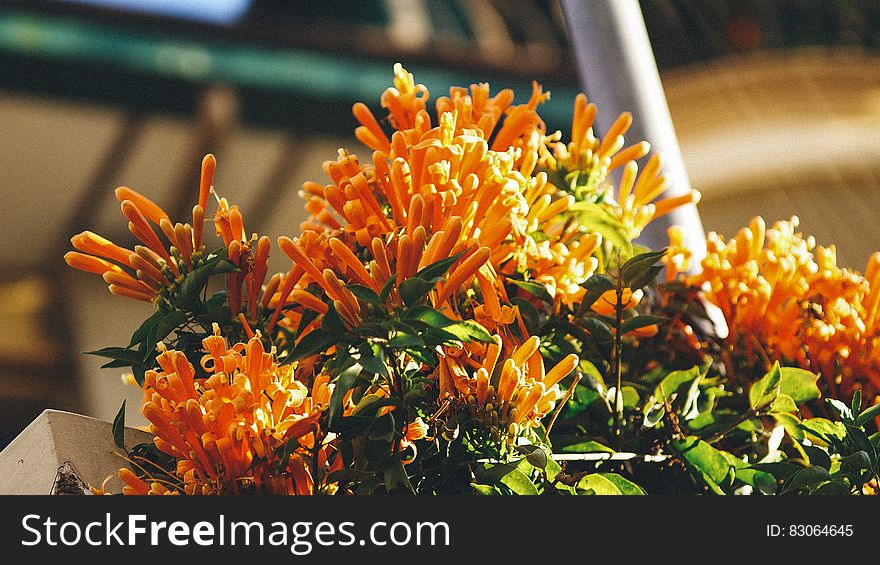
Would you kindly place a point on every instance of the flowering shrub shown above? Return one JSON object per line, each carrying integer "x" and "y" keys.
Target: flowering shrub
{"x": 466, "y": 311}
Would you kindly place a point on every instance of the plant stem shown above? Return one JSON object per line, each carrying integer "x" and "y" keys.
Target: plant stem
{"x": 618, "y": 341}
{"x": 720, "y": 435}
{"x": 316, "y": 450}
{"x": 562, "y": 402}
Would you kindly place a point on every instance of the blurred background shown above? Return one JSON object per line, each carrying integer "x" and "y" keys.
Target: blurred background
{"x": 776, "y": 104}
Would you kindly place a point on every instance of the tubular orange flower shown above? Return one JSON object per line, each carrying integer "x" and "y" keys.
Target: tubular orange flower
{"x": 423, "y": 175}
{"x": 150, "y": 270}
{"x": 227, "y": 430}
{"x": 782, "y": 294}
{"x": 507, "y": 391}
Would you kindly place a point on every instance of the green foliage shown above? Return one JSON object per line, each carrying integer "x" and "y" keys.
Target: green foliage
{"x": 119, "y": 427}
{"x": 638, "y": 416}
{"x": 182, "y": 318}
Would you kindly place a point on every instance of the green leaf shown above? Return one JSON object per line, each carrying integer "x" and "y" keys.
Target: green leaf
{"x": 639, "y": 322}
{"x": 799, "y": 384}
{"x": 287, "y": 450}
{"x": 781, "y": 471}
{"x": 434, "y": 337}
{"x": 596, "y": 286}
{"x": 507, "y": 474}
{"x": 765, "y": 390}
{"x": 783, "y": 404}
{"x": 856, "y": 404}
{"x": 116, "y": 364}
{"x": 791, "y": 423}
{"x": 597, "y": 219}
{"x": 823, "y": 430}
{"x": 599, "y": 484}
{"x": 833, "y": 488}
{"x": 347, "y": 379}
{"x": 808, "y": 478}
{"x": 639, "y": 267}
{"x": 129, "y": 356}
{"x": 372, "y": 359}
{"x": 587, "y": 447}
{"x": 817, "y": 456}
{"x": 364, "y": 293}
{"x": 710, "y": 465}
{"x": 536, "y": 289}
{"x": 332, "y": 322}
{"x": 169, "y": 323}
{"x": 519, "y": 482}
{"x": 145, "y": 328}
{"x": 598, "y": 328}
{"x": 119, "y": 427}
{"x": 858, "y": 461}
{"x": 313, "y": 342}
{"x": 425, "y": 356}
{"x": 529, "y": 313}
{"x": 216, "y": 301}
{"x": 396, "y": 479}
{"x": 402, "y": 341}
{"x": 428, "y": 315}
{"x": 626, "y": 487}
{"x": 842, "y": 409}
{"x": 868, "y": 415}
{"x": 414, "y": 289}
{"x": 674, "y": 381}
{"x": 485, "y": 490}
{"x": 439, "y": 268}
{"x": 764, "y": 482}
{"x": 188, "y": 291}
{"x": 386, "y": 289}
{"x": 646, "y": 278}
{"x": 308, "y": 316}
{"x": 140, "y": 372}
{"x": 469, "y": 330}
{"x": 857, "y": 440}
{"x": 552, "y": 469}
{"x": 653, "y": 415}
{"x": 629, "y": 396}
{"x": 535, "y": 455}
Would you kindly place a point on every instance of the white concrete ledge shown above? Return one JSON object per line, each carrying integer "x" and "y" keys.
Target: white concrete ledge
{"x": 31, "y": 463}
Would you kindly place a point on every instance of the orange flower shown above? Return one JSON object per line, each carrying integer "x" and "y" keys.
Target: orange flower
{"x": 336, "y": 264}
{"x": 150, "y": 270}
{"x": 228, "y": 430}
{"x": 607, "y": 303}
{"x": 413, "y": 431}
{"x": 507, "y": 391}
{"x": 783, "y": 295}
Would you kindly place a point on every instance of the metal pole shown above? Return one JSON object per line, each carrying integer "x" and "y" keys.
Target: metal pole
{"x": 618, "y": 72}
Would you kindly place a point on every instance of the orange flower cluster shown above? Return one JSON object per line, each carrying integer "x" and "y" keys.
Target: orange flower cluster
{"x": 400, "y": 255}
{"x": 584, "y": 163}
{"x": 505, "y": 388}
{"x": 149, "y": 271}
{"x": 229, "y": 431}
{"x": 785, "y": 296}
{"x": 451, "y": 170}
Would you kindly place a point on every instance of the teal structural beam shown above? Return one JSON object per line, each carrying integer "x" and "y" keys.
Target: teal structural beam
{"x": 319, "y": 75}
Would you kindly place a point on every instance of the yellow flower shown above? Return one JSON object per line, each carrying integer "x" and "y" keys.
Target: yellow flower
{"x": 678, "y": 255}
